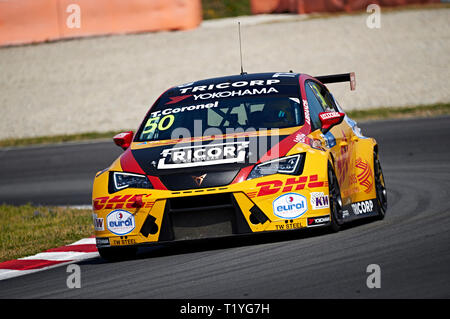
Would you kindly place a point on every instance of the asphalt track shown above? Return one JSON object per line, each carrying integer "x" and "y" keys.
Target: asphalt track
{"x": 411, "y": 245}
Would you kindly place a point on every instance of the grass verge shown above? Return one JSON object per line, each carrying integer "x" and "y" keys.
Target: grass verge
{"x": 27, "y": 230}
{"x": 357, "y": 115}
{"x": 214, "y": 9}
{"x": 54, "y": 139}
{"x": 400, "y": 112}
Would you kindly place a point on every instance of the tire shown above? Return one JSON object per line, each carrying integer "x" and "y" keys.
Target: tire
{"x": 335, "y": 201}
{"x": 380, "y": 187}
{"x": 117, "y": 253}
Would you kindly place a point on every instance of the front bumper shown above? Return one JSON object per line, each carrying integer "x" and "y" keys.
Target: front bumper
{"x": 141, "y": 216}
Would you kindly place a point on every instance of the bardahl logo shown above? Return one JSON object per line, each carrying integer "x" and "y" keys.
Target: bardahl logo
{"x": 329, "y": 115}
{"x": 211, "y": 154}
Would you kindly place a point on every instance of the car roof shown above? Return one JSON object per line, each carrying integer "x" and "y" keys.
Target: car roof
{"x": 286, "y": 78}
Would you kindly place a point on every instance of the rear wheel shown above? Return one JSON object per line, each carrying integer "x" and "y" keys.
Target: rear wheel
{"x": 335, "y": 200}
{"x": 380, "y": 187}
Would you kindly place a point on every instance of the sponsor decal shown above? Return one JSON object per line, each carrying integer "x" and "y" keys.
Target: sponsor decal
{"x": 226, "y": 85}
{"x": 364, "y": 207}
{"x": 345, "y": 214}
{"x": 121, "y": 201}
{"x": 122, "y": 242}
{"x": 290, "y": 184}
{"x": 319, "y": 200}
{"x": 176, "y": 99}
{"x": 329, "y": 115}
{"x": 102, "y": 242}
{"x": 182, "y": 109}
{"x": 120, "y": 222}
{"x": 317, "y": 221}
{"x": 99, "y": 223}
{"x": 223, "y": 94}
{"x": 289, "y": 206}
{"x": 365, "y": 176}
{"x": 212, "y": 154}
{"x": 305, "y": 106}
{"x": 288, "y": 225}
{"x": 300, "y": 138}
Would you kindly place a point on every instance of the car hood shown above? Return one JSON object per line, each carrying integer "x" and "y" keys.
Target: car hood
{"x": 205, "y": 161}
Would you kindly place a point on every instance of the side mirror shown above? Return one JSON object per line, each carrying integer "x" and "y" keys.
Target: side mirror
{"x": 330, "y": 119}
{"x": 124, "y": 139}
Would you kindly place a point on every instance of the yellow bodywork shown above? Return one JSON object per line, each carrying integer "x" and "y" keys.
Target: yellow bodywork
{"x": 351, "y": 157}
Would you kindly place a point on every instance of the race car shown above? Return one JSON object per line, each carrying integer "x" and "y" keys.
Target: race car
{"x": 242, "y": 154}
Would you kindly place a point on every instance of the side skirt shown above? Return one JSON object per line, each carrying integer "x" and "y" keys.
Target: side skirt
{"x": 357, "y": 210}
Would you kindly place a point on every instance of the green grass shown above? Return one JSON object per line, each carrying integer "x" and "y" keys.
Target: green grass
{"x": 400, "y": 112}
{"x": 214, "y": 9}
{"x": 27, "y": 230}
{"x": 54, "y": 139}
{"x": 358, "y": 115}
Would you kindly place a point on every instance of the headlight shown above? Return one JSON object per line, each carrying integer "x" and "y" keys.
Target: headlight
{"x": 125, "y": 180}
{"x": 285, "y": 165}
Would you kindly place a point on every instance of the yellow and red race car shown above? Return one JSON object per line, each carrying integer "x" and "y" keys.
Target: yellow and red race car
{"x": 233, "y": 155}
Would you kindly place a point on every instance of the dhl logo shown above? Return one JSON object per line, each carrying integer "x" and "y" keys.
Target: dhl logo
{"x": 122, "y": 201}
{"x": 294, "y": 183}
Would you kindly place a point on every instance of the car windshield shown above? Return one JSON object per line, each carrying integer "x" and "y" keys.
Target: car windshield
{"x": 221, "y": 116}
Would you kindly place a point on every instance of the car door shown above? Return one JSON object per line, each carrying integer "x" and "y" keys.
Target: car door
{"x": 339, "y": 139}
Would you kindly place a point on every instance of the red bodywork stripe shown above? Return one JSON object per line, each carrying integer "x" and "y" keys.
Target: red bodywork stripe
{"x": 129, "y": 164}
{"x": 156, "y": 182}
{"x": 243, "y": 174}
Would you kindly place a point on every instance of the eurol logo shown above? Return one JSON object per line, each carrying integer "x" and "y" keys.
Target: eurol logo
{"x": 289, "y": 206}
{"x": 120, "y": 222}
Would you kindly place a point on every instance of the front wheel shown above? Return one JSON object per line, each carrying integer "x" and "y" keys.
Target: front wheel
{"x": 335, "y": 201}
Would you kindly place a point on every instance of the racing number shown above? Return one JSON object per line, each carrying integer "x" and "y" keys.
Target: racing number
{"x": 163, "y": 125}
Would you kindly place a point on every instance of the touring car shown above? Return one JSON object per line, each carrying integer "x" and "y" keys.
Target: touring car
{"x": 242, "y": 154}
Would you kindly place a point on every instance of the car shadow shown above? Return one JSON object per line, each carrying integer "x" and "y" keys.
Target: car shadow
{"x": 218, "y": 243}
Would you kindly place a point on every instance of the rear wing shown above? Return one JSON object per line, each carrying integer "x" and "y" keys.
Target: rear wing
{"x": 335, "y": 78}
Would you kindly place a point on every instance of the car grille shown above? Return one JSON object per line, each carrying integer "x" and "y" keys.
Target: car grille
{"x": 203, "y": 216}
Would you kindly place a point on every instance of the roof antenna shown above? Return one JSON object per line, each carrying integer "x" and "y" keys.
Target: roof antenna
{"x": 240, "y": 48}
